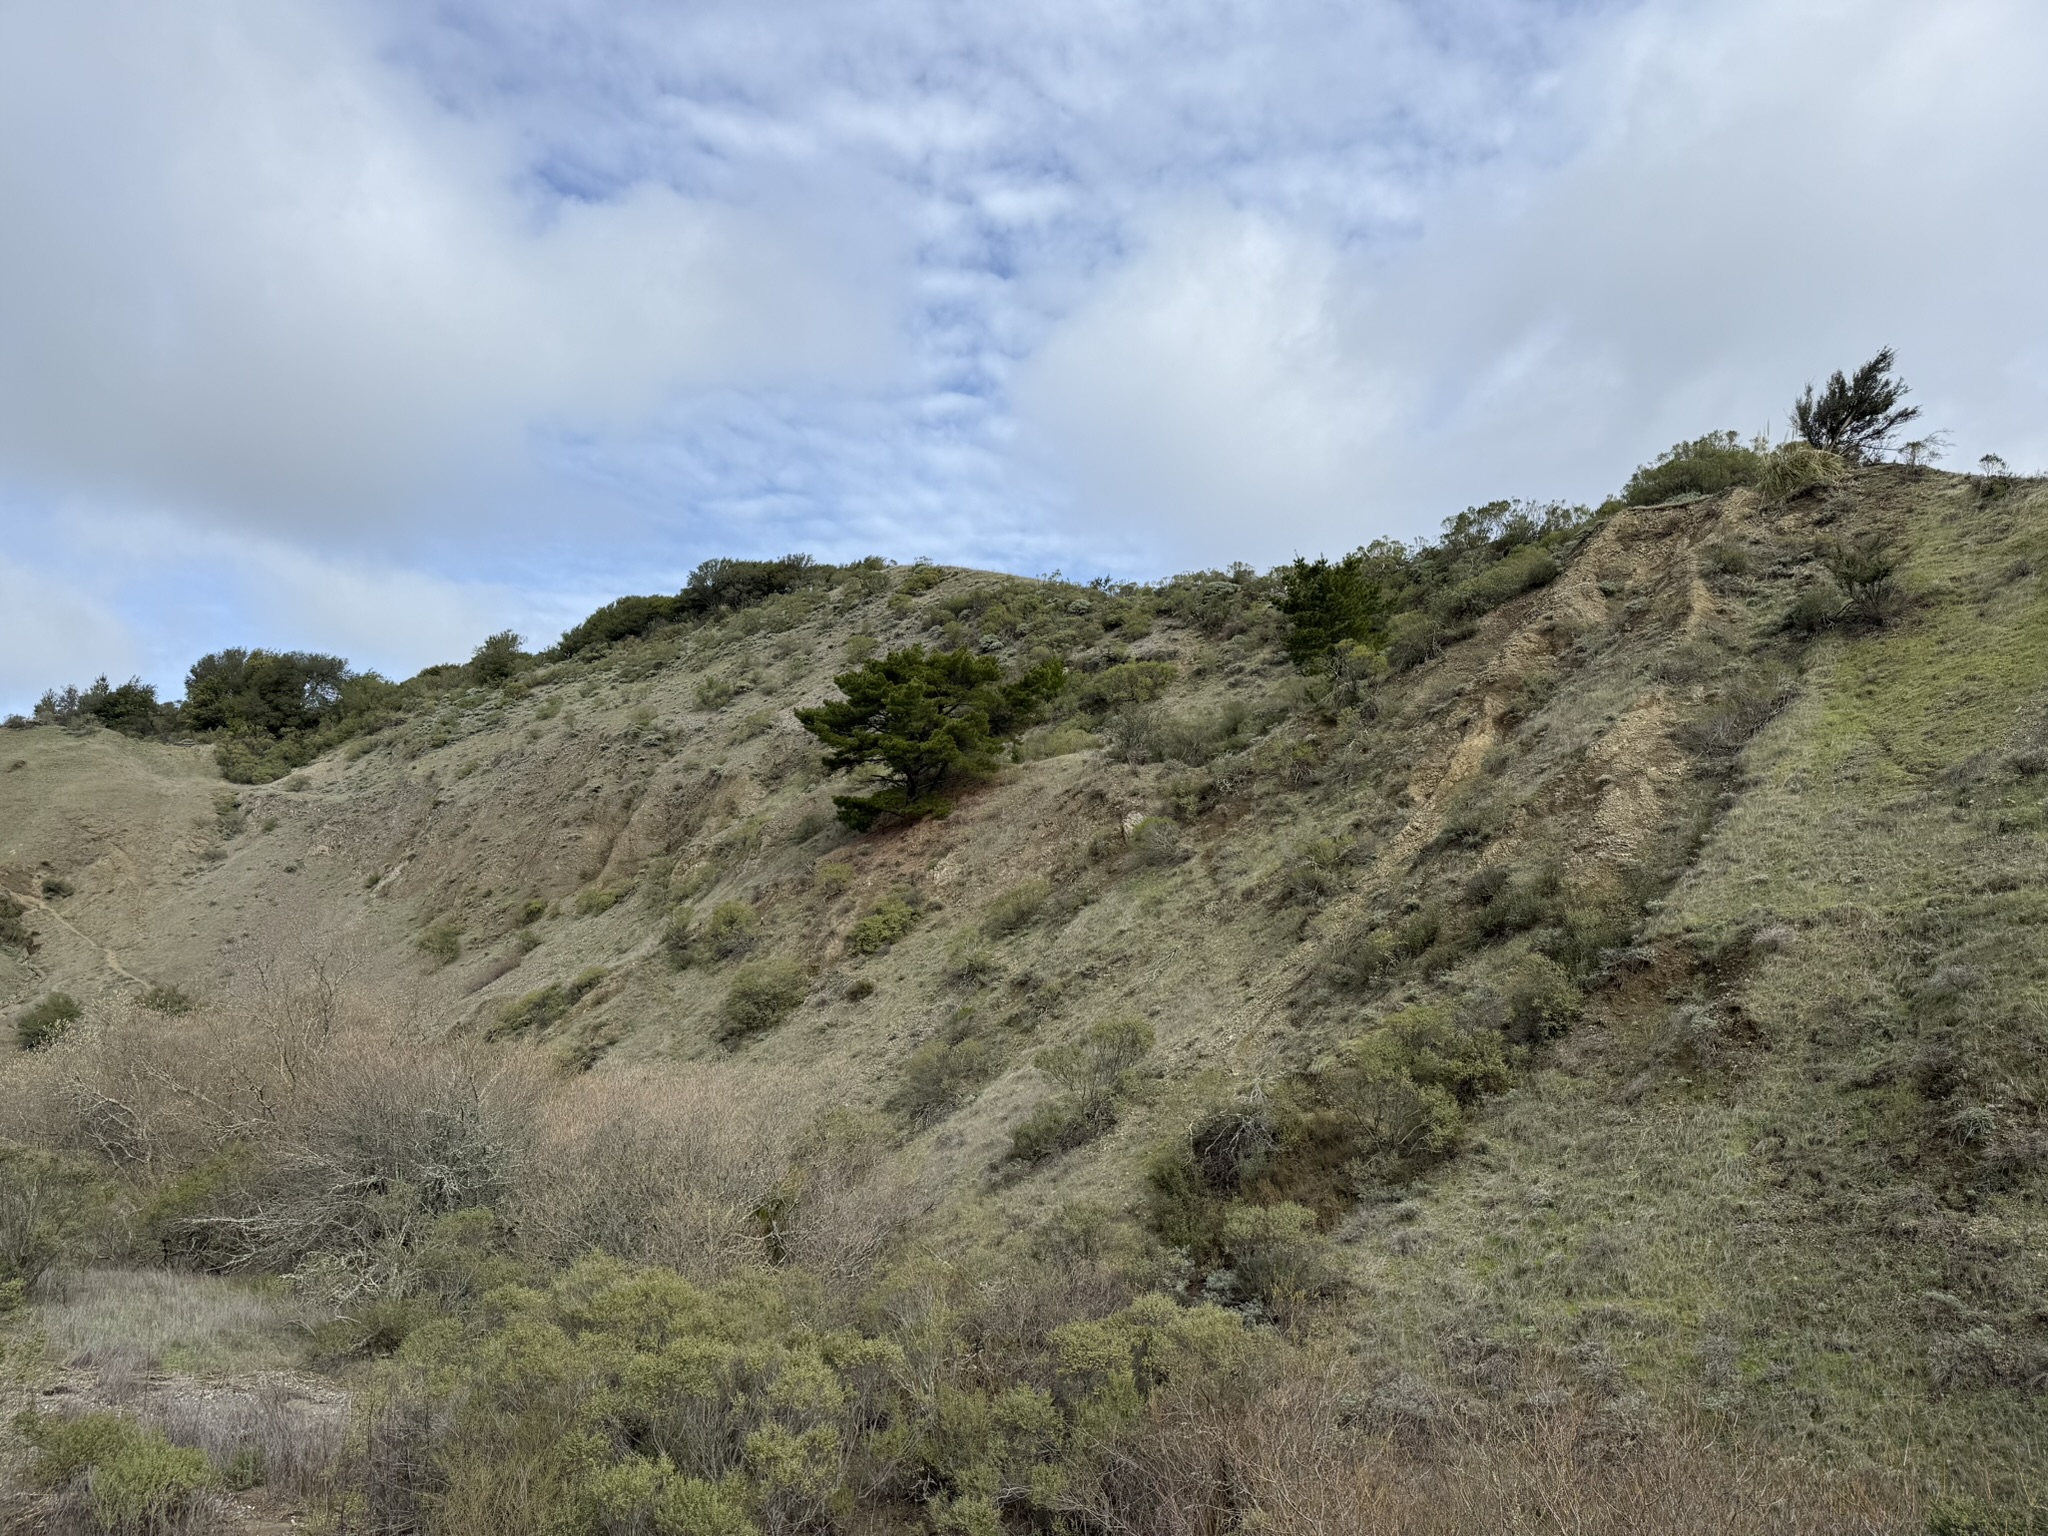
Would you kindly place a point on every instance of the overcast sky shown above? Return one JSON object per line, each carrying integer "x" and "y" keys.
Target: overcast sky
{"x": 375, "y": 327}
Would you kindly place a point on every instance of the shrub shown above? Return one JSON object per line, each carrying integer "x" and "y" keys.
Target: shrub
{"x": 600, "y": 898}
{"x": 1725, "y": 725}
{"x": 891, "y": 919}
{"x": 1401, "y": 1088}
{"x": 925, "y": 720}
{"x": 712, "y": 693}
{"x": 1417, "y": 636}
{"x": 135, "y": 1479}
{"x": 442, "y": 942}
{"x": 1798, "y": 467}
{"x": 833, "y": 878}
{"x": 1095, "y": 1072}
{"x": 1015, "y": 909}
{"x": 1863, "y": 568}
{"x": 167, "y": 1000}
{"x": 732, "y": 929}
{"x": 14, "y": 927}
{"x": 496, "y": 660}
{"x": 1509, "y": 577}
{"x": 763, "y": 993}
{"x": 941, "y": 1075}
{"x": 1855, "y": 418}
{"x": 1813, "y": 610}
{"x": 1276, "y": 1256}
{"x": 44, "y": 1021}
{"x": 1705, "y": 466}
{"x": 540, "y": 1010}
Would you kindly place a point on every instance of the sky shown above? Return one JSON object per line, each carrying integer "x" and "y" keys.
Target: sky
{"x": 376, "y": 326}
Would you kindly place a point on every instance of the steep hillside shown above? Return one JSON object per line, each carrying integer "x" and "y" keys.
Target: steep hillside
{"x": 1628, "y": 995}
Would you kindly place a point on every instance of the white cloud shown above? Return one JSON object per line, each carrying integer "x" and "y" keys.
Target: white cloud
{"x": 251, "y": 271}
{"x": 56, "y": 632}
{"x": 1751, "y": 196}
{"x": 1213, "y": 384}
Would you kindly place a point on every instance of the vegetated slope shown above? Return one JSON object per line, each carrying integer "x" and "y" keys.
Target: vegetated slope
{"x": 1634, "y": 998}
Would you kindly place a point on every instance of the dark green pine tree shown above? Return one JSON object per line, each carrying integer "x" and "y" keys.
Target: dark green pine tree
{"x": 928, "y": 720}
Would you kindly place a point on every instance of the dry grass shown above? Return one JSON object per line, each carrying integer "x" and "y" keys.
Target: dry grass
{"x": 127, "y": 1324}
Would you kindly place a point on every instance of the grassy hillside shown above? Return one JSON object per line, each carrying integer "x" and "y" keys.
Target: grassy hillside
{"x": 1582, "y": 1064}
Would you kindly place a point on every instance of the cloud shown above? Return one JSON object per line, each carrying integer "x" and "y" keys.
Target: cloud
{"x": 534, "y": 302}
{"x": 1737, "y": 199}
{"x": 1212, "y": 383}
{"x": 255, "y": 273}
{"x": 53, "y": 626}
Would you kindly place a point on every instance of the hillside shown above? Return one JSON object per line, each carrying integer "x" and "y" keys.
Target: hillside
{"x": 1605, "y": 1035}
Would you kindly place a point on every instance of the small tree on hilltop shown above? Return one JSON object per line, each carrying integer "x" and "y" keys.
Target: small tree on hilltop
{"x": 929, "y": 720}
{"x": 1855, "y": 417}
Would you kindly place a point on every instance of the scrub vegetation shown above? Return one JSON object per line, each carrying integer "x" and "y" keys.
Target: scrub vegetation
{"x": 1540, "y": 1030}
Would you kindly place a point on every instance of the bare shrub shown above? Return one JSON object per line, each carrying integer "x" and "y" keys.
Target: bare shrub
{"x": 656, "y": 1167}
{"x": 1284, "y": 1448}
{"x": 287, "y": 1132}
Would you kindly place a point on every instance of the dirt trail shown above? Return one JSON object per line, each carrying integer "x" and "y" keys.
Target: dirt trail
{"x": 113, "y": 962}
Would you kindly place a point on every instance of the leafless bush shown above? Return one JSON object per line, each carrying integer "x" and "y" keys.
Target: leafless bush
{"x": 655, "y": 1167}
{"x": 1290, "y": 1451}
{"x": 287, "y": 1131}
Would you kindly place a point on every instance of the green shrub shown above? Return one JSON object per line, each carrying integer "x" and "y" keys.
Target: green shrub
{"x": 1095, "y": 1073}
{"x": 167, "y": 1000}
{"x": 1727, "y": 558}
{"x": 1015, "y": 909}
{"x": 1705, "y": 466}
{"x": 1359, "y": 956}
{"x": 1417, "y": 636}
{"x": 1863, "y": 568}
{"x": 44, "y": 1021}
{"x": 1814, "y": 609}
{"x": 1739, "y": 710}
{"x": 891, "y": 919}
{"x": 532, "y": 912}
{"x": 600, "y": 898}
{"x": 135, "y": 1479}
{"x": 1056, "y": 1126}
{"x": 712, "y": 693}
{"x": 442, "y": 942}
{"x": 539, "y": 1010}
{"x": 763, "y": 993}
{"x": 243, "y": 1470}
{"x": 1275, "y": 1254}
{"x": 1509, "y": 577}
{"x": 1521, "y": 900}
{"x": 494, "y": 662}
{"x": 941, "y": 1075}
{"x": 732, "y": 929}
{"x": 833, "y": 878}
{"x": 1540, "y": 999}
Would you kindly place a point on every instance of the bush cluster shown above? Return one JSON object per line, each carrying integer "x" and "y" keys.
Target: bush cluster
{"x": 1094, "y": 1073}
{"x": 762, "y": 994}
{"x": 45, "y": 1020}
